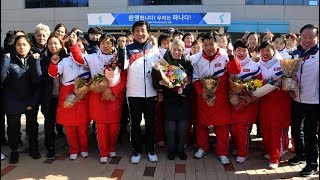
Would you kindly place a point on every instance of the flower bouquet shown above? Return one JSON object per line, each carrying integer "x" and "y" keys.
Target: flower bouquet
{"x": 289, "y": 68}
{"x": 240, "y": 94}
{"x": 81, "y": 88}
{"x": 210, "y": 84}
{"x": 100, "y": 84}
{"x": 267, "y": 86}
{"x": 236, "y": 84}
{"x": 112, "y": 71}
{"x": 70, "y": 101}
{"x": 173, "y": 77}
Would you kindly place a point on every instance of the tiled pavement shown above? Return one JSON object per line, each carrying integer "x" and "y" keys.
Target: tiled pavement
{"x": 120, "y": 167}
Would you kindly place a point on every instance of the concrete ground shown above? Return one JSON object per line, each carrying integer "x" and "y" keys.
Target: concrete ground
{"x": 120, "y": 167}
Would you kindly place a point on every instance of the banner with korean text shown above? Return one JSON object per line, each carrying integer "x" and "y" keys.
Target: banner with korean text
{"x": 161, "y": 19}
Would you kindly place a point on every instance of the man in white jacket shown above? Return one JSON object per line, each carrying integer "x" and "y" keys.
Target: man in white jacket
{"x": 305, "y": 106}
{"x": 138, "y": 58}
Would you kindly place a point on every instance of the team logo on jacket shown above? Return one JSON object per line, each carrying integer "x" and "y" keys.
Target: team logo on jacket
{"x": 217, "y": 65}
{"x": 246, "y": 70}
{"x": 277, "y": 69}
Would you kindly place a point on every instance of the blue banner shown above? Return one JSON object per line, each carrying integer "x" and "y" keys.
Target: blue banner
{"x": 161, "y": 19}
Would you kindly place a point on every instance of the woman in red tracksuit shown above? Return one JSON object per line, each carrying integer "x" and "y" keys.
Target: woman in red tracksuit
{"x": 106, "y": 113}
{"x": 75, "y": 119}
{"x": 213, "y": 61}
{"x": 242, "y": 119}
{"x": 274, "y": 108}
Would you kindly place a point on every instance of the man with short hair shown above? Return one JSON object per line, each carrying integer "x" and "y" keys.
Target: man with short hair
{"x": 305, "y": 106}
{"x": 138, "y": 58}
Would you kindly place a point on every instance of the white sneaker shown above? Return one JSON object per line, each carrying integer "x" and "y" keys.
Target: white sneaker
{"x": 73, "y": 156}
{"x": 103, "y": 160}
{"x": 152, "y": 157}
{"x": 273, "y": 166}
{"x": 2, "y": 156}
{"x": 267, "y": 156}
{"x": 224, "y": 160}
{"x": 84, "y": 154}
{"x": 112, "y": 154}
{"x": 241, "y": 159}
{"x": 199, "y": 154}
{"x": 135, "y": 158}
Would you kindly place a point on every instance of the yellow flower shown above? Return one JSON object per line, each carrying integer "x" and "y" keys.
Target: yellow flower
{"x": 257, "y": 83}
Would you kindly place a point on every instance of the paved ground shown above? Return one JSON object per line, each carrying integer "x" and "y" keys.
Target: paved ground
{"x": 120, "y": 168}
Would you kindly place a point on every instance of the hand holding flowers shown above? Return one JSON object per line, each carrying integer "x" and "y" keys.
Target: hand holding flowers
{"x": 289, "y": 68}
{"x": 173, "y": 77}
{"x": 100, "y": 84}
{"x": 209, "y": 84}
{"x": 112, "y": 71}
{"x": 240, "y": 94}
{"x": 81, "y": 88}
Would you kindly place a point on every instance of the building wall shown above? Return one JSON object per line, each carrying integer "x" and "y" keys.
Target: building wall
{"x": 15, "y": 16}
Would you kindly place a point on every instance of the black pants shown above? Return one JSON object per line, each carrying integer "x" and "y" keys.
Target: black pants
{"x": 13, "y": 130}
{"x": 2, "y": 126}
{"x": 304, "y": 129}
{"x": 124, "y": 118}
{"x": 176, "y": 135}
{"x": 49, "y": 124}
{"x": 147, "y": 106}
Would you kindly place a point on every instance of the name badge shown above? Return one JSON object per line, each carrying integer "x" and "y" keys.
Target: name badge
{"x": 277, "y": 69}
{"x": 217, "y": 65}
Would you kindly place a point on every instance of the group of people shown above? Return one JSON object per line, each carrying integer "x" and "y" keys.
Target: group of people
{"x": 46, "y": 73}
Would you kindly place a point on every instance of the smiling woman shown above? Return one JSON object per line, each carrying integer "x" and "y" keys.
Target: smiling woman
{"x": 56, "y": 3}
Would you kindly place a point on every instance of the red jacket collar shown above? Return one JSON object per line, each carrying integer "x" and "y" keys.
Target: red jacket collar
{"x": 205, "y": 56}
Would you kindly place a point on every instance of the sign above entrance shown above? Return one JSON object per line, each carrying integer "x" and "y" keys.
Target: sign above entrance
{"x": 161, "y": 19}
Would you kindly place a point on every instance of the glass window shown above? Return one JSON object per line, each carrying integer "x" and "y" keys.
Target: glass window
{"x": 56, "y": 3}
{"x": 311, "y": 2}
{"x": 163, "y": 2}
{"x": 273, "y": 2}
{"x": 293, "y": 2}
{"x": 254, "y": 2}
{"x": 283, "y": 2}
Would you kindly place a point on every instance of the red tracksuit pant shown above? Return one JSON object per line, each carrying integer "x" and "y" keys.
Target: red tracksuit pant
{"x": 107, "y": 134}
{"x": 222, "y": 136}
{"x": 275, "y": 141}
{"x": 77, "y": 137}
{"x": 240, "y": 138}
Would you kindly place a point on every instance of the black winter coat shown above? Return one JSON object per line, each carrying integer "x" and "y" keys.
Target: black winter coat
{"x": 21, "y": 83}
{"x": 47, "y": 82}
{"x": 175, "y": 106}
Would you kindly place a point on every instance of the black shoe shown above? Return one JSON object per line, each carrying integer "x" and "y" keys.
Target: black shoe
{"x": 35, "y": 155}
{"x": 297, "y": 160}
{"x": 51, "y": 154}
{"x": 308, "y": 171}
{"x": 182, "y": 155}
{"x": 171, "y": 156}
{"x": 14, "y": 157}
